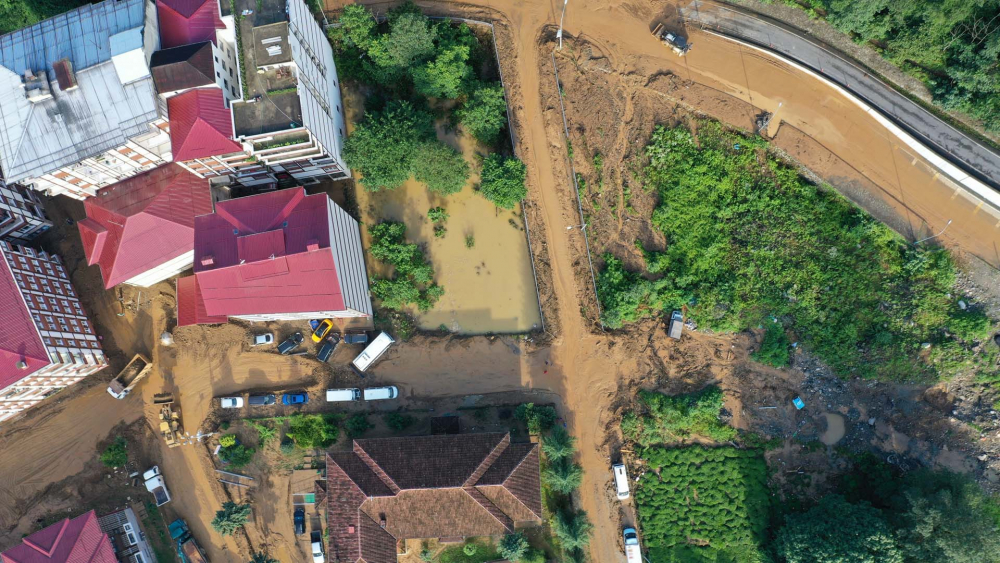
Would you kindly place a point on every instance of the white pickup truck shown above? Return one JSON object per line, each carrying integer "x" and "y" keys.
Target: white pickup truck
{"x": 156, "y": 485}
{"x": 633, "y": 553}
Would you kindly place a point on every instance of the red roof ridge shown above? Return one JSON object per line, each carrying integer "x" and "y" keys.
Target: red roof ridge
{"x": 200, "y": 124}
{"x": 55, "y": 541}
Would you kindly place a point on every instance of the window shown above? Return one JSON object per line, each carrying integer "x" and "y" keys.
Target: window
{"x": 131, "y": 538}
{"x": 225, "y": 83}
{"x": 223, "y": 65}
{"x": 217, "y": 75}
{"x": 139, "y": 559}
{"x": 216, "y": 59}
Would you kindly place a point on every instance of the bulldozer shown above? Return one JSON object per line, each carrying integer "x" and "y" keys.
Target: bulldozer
{"x": 170, "y": 419}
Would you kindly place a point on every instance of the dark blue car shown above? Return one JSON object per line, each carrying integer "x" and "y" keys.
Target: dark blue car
{"x": 294, "y": 399}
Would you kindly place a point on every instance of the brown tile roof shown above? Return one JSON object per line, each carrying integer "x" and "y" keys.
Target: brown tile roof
{"x": 428, "y": 487}
{"x": 428, "y": 462}
{"x": 180, "y": 68}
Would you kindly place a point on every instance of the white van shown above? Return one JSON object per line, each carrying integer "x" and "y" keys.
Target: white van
{"x": 373, "y": 352}
{"x": 341, "y": 395}
{"x": 378, "y": 393}
{"x": 621, "y": 480}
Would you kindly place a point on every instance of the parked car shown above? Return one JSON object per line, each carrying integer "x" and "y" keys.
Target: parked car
{"x": 298, "y": 398}
{"x": 356, "y": 338}
{"x": 232, "y": 402}
{"x": 321, "y": 331}
{"x": 261, "y": 400}
{"x": 342, "y": 395}
{"x": 379, "y": 393}
{"x": 329, "y": 345}
{"x": 318, "y": 552}
{"x": 621, "y": 480}
{"x": 290, "y": 343}
{"x": 261, "y": 339}
{"x": 633, "y": 553}
{"x": 300, "y": 521}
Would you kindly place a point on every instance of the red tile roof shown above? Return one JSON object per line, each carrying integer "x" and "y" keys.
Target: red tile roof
{"x": 200, "y": 125}
{"x": 424, "y": 487}
{"x": 191, "y": 305}
{"x": 79, "y": 540}
{"x": 183, "y": 22}
{"x": 143, "y": 221}
{"x": 252, "y": 256}
{"x": 19, "y": 339}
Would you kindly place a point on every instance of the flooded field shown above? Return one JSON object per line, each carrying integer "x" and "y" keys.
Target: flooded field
{"x": 482, "y": 261}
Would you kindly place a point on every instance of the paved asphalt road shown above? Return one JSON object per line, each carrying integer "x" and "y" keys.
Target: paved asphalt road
{"x": 964, "y": 151}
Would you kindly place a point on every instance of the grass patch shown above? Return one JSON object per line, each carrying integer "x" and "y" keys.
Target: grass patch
{"x": 774, "y": 349}
{"x": 156, "y": 532}
{"x": 671, "y": 419}
{"x": 749, "y": 240}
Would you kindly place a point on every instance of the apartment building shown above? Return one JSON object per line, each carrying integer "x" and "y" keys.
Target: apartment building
{"x": 282, "y": 255}
{"x": 22, "y": 216}
{"x": 46, "y": 340}
{"x": 78, "y": 107}
{"x": 292, "y": 120}
{"x": 127, "y": 538}
{"x": 140, "y": 231}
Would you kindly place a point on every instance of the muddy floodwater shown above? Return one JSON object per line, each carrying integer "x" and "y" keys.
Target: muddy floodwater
{"x": 488, "y": 287}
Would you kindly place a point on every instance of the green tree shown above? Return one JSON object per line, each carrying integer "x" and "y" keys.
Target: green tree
{"x": 538, "y": 419}
{"x": 262, "y": 556}
{"x": 573, "y": 528}
{"x": 835, "y": 531}
{"x": 445, "y": 76}
{"x": 558, "y": 444}
{"x": 437, "y": 214}
{"x": 563, "y": 476}
{"x": 502, "y": 181}
{"x": 232, "y": 516}
{"x": 413, "y": 279}
{"x": 513, "y": 547}
{"x": 410, "y": 39}
{"x": 944, "y": 518}
{"x": 237, "y": 456}
{"x": 115, "y": 455}
{"x": 442, "y": 168}
{"x": 383, "y": 145}
{"x": 357, "y": 26}
{"x": 484, "y": 114}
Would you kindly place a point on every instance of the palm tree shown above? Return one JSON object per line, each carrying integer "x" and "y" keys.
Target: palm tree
{"x": 262, "y": 557}
{"x": 572, "y": 528}
{"x": 563, "y": 476}
{"x": 558, "y": 444}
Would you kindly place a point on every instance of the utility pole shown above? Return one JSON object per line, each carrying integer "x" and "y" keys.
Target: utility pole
{"x": 559, "y": 33}
{"x": 948, "y": 224}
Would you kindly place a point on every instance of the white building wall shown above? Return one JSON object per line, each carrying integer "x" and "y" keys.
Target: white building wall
{"x": 164, "y": 271}
{"x": 226, "y": 71}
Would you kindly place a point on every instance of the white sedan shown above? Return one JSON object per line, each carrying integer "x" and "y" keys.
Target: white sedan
{"x": 232, "y": 402}
{"x": 261, "y": 339}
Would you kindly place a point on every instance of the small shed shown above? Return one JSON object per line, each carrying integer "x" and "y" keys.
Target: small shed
{"x": 676, "y": 325}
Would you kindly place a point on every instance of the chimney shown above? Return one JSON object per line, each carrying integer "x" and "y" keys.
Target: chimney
{"x": 208, "y": 260}
{"x": 64, "y": 74}
{"x": 312, "y": 244}
{"x": 350, "y": 529}
{"x": 22, "y": 365}
{"x": 382, "y": 519}
{"x": 36, "y": 86}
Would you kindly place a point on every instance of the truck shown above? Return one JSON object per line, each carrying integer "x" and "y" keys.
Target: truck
{"x": 677, "y": 44}
{"x": 633, "y": 553}
{"x": 135, "y": 370}
{"x": 187, "y": 548}
{"x": 156, "y": 485}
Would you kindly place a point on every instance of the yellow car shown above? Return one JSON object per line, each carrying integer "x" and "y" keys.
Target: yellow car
{"x": 322, "y": 330}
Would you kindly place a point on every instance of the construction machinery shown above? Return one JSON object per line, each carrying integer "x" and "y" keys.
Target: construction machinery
{"x": 676, "y": 43}
{"x": 136, "y": 369}
{"x": 170, "y": 419}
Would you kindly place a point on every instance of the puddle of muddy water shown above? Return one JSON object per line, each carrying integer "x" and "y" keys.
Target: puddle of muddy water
{"x": 489, "y": 287}
{"x": 834, "y": 429}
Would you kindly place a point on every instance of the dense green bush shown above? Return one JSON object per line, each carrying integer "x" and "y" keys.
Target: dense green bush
{"x": 115, "y": 455}
{"x": 538, "y": 419}
{"x": 384, "y": 145}
{"x": 951, "y": 46}
{"x": 835, "y": 531}
{"x": 446, "y": 76}
{"x": 748, "y": 239}
{"x": 413, "y": 279}
{"x": 398, "y": 421}
{"x": 15, "y": 14}
{"x": 774, "y": 349}
{"x": 357, "y": 425}
{"x": 668, "y": 419}
{"x": 502, "y": 181}
{"x": 442, "y": 168}
{"x": 703, "y": 504}
{"x": 313, "y": 431}
{"x": 484, "y": 114}
{"x": 512, "y": 547}
{"x": 237, "y": 456}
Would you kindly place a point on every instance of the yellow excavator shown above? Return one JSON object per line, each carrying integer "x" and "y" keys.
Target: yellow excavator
{"x": 170, "y": 419}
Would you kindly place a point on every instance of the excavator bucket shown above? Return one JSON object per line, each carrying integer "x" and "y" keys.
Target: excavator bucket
{"x": 163, "y": 398}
